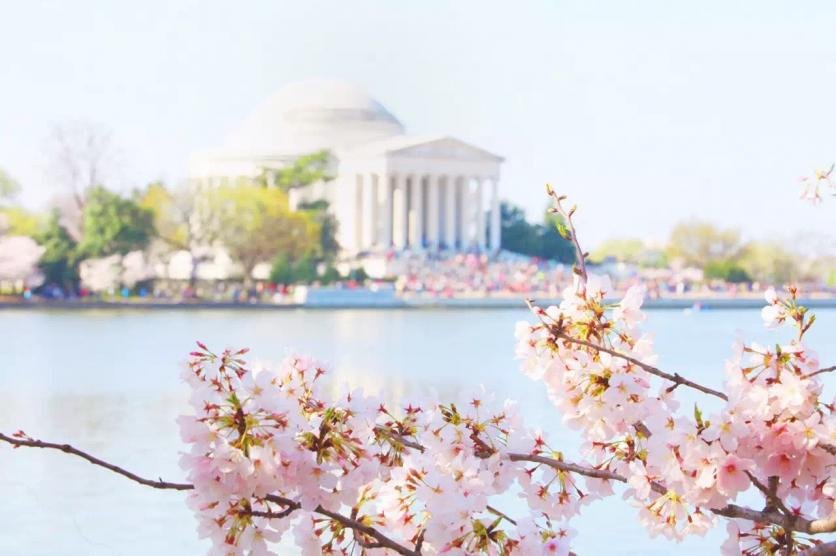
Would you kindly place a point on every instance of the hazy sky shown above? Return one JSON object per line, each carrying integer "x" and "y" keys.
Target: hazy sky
{"x": 644, "y": 112}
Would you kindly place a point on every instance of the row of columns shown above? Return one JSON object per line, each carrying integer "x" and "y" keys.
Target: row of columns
{"x": 425, "y": 212}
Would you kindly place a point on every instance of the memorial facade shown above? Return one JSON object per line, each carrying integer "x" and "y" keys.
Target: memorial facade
{"x": 390, "y": 190}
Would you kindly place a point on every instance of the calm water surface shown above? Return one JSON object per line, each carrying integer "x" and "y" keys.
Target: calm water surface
{"x": 108, "y": 382}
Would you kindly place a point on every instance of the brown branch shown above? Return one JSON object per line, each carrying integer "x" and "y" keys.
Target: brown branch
{"x": 399, "y": 438}
{"x": 382, "y": 540}
{"x": 66, "y": 448}
{"x": 290, "y": 505}
{"x": 773, "y": 502}
{"x": 822, "y": 371}
{"x": 503, "y": 515}
{"x": 570, "y": 467}
{"x": 829, "y": 448}
{"x": 789, "y": 522}
{"x": 792, "y": 521}
{"x": 824, "y": 549}
{"x": 676, "y": 378}
{"x": 591, "y": 472}
{"x": 580, "y": 255}
{"x": 272, "y": 515}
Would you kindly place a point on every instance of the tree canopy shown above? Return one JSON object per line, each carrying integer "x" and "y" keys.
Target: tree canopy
{"x": 58, "y": 263}
{"x": 306, "y": 169}
{"x": 699, "y": 243}
{"x": 534, "y": 240}
{"x": 256, "y": 224}
{"x": 113, "y": 224}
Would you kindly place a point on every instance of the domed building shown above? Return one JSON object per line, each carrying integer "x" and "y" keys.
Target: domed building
{"x": 390, "y": 189}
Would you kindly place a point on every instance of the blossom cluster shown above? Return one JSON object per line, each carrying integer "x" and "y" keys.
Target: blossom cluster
{"x": 272, "y": 451}
{"x": 771, "y": 431}
{"x": 814, "y": 187}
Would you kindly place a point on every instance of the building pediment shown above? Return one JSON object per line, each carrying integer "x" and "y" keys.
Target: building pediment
{"x": 445, "y": 147}
{"x": 435, "y": 148}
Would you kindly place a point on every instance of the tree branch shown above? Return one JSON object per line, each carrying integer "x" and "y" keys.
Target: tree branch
{"x": 290, "y": 505}
{"x": 770, "y": 493}
{"x": 794, "y": 522}
{"x": 824, "y": 549}
{"x": 790, "y": 522}
{"x": 676, "y": 378}
{"x": 580, "y": 255}
{"x": 66, "y": 448}
{"x": 822, "y": 371}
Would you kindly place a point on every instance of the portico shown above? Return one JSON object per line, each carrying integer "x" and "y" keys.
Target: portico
{"x": 418, "y": 194}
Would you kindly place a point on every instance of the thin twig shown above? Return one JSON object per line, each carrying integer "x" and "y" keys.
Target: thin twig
{"x": 66, "y": 448}
{"x": 580, "y": 255}
{"x": 822, "y": 371}
{"x": 824, "y": 549}
{"x": 676, "y": 378}
{"x": 290, "y": 505}
{"x": 794, "y": 522}
{"x": 498, "y": 513}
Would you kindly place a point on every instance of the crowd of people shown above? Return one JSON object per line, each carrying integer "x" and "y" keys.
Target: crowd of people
{"x": 473, "y": 275}
{"x": 452, "y": 276}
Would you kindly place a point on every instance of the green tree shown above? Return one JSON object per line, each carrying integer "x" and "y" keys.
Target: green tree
{"x": 328, "y": 226}
{"x": 18, "y": 221}
{"x": 303, "y": 171}
{"x": 622, "y": 250}
{"x": 112, "y": 224}
{"x": 59, "y": 261}
{"x": 517, "y": 233}
{"x": 630, "y": 251}
{"x": 770, "y": 262}
{"x": 169, "y": 218}
{"x": 288, "y": 271}
{"x": 535, "y": 240}
{"x": 698, "y": 243}
{"x": 726, "y": 270}
{"x": 255, "y": 224}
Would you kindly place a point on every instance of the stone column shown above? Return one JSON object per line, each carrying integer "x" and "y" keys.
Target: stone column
{"x": 462, "y": 219}
{"x": 496, "y": 232}
{"x": 369, "y": 222}
{"x": 451, "y": 226}
{"x": 480, "y": 215}
{"x": 433, "y": 216}
{"x": 416, "y": 222}
{"x": 358, "y": 212}
{"x": 384, "y": 198}
{"x": 399, "y": 212}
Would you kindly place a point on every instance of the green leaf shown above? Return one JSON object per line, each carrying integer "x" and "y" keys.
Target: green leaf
{"x": 563, "y": 230}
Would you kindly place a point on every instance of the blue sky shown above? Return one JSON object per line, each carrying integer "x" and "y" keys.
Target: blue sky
{"x": 645, "y": 113}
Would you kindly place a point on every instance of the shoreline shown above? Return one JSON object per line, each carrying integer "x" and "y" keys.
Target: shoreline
{"x": 669, "y": 303}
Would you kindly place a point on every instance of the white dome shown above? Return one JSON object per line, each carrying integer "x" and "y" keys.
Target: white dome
{"x": 310, "y": 115}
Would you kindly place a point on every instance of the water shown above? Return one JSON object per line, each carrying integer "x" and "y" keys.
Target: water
{"x": 108, "y": 382}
